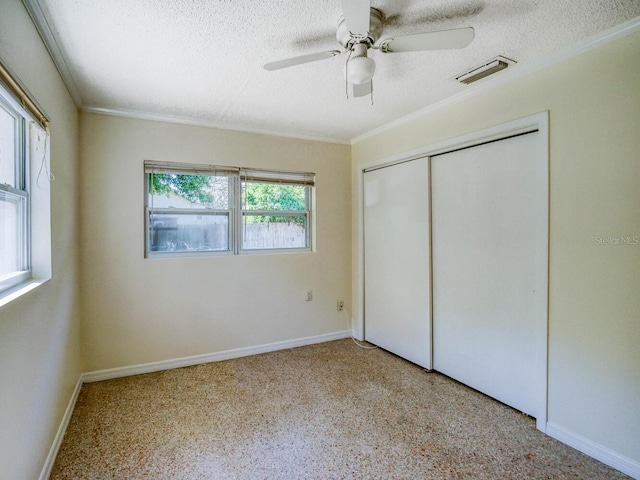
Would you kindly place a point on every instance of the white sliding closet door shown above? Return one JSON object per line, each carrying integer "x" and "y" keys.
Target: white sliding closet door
{"x": 396, "y": 251}
{"x": 489, "y": 240}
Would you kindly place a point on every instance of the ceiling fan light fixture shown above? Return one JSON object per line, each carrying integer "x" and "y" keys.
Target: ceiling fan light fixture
{"x": 360, "y": 68}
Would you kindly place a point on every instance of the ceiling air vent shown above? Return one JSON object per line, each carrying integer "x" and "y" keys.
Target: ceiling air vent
{"x": 481, "y": 71}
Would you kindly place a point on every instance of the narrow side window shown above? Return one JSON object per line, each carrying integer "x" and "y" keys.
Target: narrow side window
{"x": 14, "y": 199}
{"x": 25, "y": 202}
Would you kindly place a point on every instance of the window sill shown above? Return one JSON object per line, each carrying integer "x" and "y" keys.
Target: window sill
{"x": 189, "y": 254}
{"x": 16, "y": 292}
{"x": 267, "y": 251}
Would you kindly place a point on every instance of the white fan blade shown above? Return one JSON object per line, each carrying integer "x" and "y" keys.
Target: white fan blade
{"x": 361, "y": 90}
{"x": 357, "y": 14}
{"x": 458, "y": 38}
{"x": 290, "y": 62}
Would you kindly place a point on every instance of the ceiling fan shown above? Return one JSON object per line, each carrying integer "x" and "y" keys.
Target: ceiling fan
{"x": 359, "y": 29}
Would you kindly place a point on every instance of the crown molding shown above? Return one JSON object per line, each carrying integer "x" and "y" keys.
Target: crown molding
{"x": 36, "y": 12}
{"x": 509, "y": 76}
{"x": 39, "y": 19}
{"x": 133, "y": 114}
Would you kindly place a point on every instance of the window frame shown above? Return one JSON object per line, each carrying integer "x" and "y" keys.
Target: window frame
{"x": 188, "y": 169}
{"x": 33, "y": 177}
{"x": 235, "y": 213}
{"x": 307, "y": 212}
{"x": 20, "y": 191}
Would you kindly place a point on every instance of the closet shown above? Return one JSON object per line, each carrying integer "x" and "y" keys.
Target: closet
{"x": 455, "y": 264}
{"x": 397, "y": 273}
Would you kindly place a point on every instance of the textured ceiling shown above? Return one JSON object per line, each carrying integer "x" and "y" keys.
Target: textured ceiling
{"x": 201, "y": 60}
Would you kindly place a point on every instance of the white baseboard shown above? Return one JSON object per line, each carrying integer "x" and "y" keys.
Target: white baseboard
{"x": 606, "y": 456}
{"x": 166, "y": 365}
{"x": 57, "y": 440}
{"x": 119, "y": 372}
{"x": 603, "y": 454}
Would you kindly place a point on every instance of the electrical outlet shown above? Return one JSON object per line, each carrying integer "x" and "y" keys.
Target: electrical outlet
{"x": 309, "y": 295}
{"x": 340, "y": 305}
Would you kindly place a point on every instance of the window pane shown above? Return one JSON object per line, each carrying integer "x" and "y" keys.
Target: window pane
{"x": 7, "y": 148}
{"x": 259, "y": 232}
{"x": 188, "y": 232}
{"x": 272, "y": 196}
{"x": 169, "y": 190}
{"x": 12, "y": 228}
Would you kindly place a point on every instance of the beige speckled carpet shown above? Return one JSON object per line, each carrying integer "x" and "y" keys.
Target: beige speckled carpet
{"x": 327, "y": 411}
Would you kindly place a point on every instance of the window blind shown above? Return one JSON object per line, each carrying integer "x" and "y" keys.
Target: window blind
{"x": 188, "y": 168}
{"x": 246, "y": 174}
{"x": 22, "y": 96}
{"x": 277, "y": 176}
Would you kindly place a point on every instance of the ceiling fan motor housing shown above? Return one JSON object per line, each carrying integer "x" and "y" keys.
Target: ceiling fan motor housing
{"x": 348, "y": 40}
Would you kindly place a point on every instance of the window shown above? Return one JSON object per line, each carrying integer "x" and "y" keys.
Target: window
{"x": 14, "y": 198}
{"x": 25, "y": 207}
{"x": 197, "y": 209}
{"x": 188, "y": 208}
{"x": 275, "y": 209}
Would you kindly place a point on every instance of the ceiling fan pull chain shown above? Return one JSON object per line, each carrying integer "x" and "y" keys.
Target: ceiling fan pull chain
{"x": 371, "y": 93}
{"x": 346, "y": 86}
{"x": 346, "y": 75}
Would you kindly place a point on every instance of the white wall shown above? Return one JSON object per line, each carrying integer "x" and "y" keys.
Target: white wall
{"x": 594, "y": 325}
{"x": 136, "y": 310}
{"x": 139, "y": 310}
{"x": 40, "y": 358}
